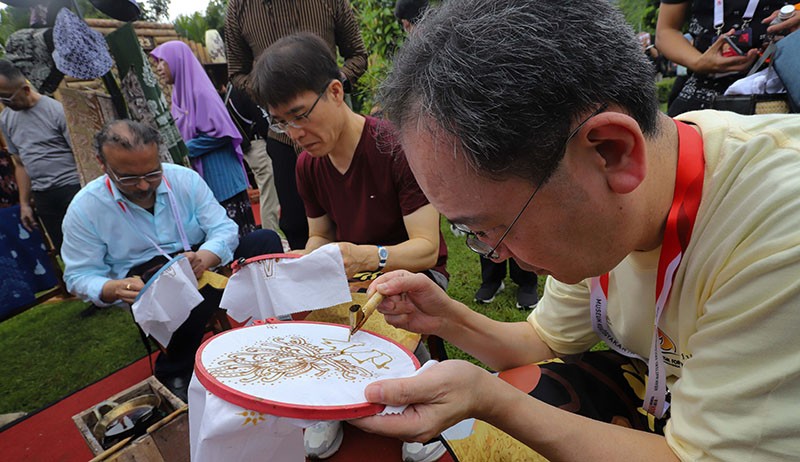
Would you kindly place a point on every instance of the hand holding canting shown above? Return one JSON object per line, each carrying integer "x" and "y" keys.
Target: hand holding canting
{"x": 413, "y": 302}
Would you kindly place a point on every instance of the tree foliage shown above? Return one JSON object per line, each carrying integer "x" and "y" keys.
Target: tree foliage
{"x": 641, "y": 14}
{"x": 154, "y": 10}
{"x": 194, "y": 26}
{"x": 383, "y": 35}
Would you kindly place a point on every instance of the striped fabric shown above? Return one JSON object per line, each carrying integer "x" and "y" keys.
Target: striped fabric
{"x": 253, "y": 25}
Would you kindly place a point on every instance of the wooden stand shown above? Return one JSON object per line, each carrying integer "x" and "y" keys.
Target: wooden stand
{"x": 165, "y": 440}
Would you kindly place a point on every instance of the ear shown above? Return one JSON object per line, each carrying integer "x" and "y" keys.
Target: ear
{"x": 336, "y": 91}
{"x": 618, "y": 145}
{"x": 102, "y": 164}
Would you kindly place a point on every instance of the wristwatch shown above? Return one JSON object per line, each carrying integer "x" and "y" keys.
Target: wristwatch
{"x": 383, "y": 255}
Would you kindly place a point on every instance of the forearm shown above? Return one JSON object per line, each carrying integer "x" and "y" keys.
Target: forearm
{"x": 674, "y": 46}
{"x": 23, "y": 183}
{"x": 559, "y": 435}
{"x": 499, "y": 345}
{"x": 316, "y": 241}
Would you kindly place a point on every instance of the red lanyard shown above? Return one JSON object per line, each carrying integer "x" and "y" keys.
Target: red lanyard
{"x": 678, "y": 231}
{"x": 175, "y": 214}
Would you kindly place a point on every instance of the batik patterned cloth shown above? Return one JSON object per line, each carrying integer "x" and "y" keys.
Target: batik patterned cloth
{"x": 142, "y": 93}
{"x": 26, "y": 268}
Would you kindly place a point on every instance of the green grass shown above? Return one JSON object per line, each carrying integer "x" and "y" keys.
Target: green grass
{"x": 49, "y": 351}
{"x": 465, "y": 278}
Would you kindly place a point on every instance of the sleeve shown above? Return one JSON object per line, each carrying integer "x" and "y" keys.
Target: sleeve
{"x": 61, "y": 121}
{"x": 738, "y": 389}
{"x": 239, "y": 53}
{"x": 561, "y": 317}
{"x": 222, "y": 233}
{"x": 83, "y": 252}
{"x": 349, "y": 42}
{"x": 204, "y": 144}
{"x": 305, "y": 181}
{"x": 12, "y": 148}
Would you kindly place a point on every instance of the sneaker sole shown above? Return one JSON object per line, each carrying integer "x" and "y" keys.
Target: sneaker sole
{"x": 337, "y": 443}
{"x": 431, "y": 457}
{"x": 490, "y": 300}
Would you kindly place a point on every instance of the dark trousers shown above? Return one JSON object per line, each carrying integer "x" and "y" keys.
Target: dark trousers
{"x": 492, "y": 272}
{"x": 292, "y": 218}
{"x": 51, "y": 206}
{"x": 179, "y": 358}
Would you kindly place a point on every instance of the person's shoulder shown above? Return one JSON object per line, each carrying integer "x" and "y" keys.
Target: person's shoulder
{"x": 93, "y": 192}
{"x": 178, "y": 172}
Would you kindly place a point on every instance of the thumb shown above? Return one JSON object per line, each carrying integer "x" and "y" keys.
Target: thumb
{"x": 395, "y": 392}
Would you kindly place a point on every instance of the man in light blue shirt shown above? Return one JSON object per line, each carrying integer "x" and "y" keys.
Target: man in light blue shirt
{"x": 119, "y": 226}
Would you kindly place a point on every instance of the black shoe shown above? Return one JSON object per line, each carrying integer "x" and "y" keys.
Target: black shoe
{"x": 527, "y": 297}
{"x": 179, "y": 386}
{"x": 488, "y": 291}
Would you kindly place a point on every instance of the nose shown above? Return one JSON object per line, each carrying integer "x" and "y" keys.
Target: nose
{"x": 142, "y": 185}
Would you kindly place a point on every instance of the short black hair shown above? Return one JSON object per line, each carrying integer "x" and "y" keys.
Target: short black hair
{"x": 410, "y": 10}
{"x": 294, "y": 64}
{"x": 140, "y": 135}
{"x": 10, "y": 72}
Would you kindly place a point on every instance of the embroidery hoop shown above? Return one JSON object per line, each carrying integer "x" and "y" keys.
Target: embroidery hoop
{"x": 263, "y": 404}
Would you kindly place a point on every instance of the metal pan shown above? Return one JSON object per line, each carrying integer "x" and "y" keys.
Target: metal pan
{"x": 125, "y": 419}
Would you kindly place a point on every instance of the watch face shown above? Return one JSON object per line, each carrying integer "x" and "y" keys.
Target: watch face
{"x": 383, "y": 253}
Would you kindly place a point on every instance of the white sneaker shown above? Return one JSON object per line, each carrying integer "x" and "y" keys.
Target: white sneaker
{"x": 323, "y": 439}
{"x": 418, "y": 452}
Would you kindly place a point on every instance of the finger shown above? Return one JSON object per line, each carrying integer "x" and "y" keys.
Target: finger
{"x": 385, "y": 277}
{"x": 404, "y": 282}
{"x": 404, "y": 391}
{"x": 406, "y": 427}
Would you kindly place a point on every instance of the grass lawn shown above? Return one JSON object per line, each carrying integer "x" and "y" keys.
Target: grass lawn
{"x": 50, "y": 351}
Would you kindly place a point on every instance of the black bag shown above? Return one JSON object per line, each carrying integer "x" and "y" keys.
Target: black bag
{"x": 777, "y": 103}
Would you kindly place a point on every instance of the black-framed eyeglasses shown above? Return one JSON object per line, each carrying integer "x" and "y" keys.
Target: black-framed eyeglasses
{"x": 152, "y": 177}
{"x": 300, "y": 120}
{"x": 8, "y": 99}
{"x": 485, "y": 250}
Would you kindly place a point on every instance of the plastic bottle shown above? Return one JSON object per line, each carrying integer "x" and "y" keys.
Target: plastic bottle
{"x": 786, "y": 12}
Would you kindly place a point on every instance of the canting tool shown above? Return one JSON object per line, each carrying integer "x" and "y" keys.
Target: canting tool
{"x": 358, "y": 315}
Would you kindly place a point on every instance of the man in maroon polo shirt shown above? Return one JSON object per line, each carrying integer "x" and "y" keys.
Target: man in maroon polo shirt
{"x": 356, "y": 185}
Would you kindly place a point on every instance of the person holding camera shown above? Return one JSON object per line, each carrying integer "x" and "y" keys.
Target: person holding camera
{"x": 728, "y": 35}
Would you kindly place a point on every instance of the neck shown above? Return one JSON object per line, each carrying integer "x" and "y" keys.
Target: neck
{"x": 342, "y": 155}
{"x": 662, "y": 166}
{"x": 35, "y": 96}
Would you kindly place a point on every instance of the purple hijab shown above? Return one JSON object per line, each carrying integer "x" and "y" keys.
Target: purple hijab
{"x": 196, "y": 106}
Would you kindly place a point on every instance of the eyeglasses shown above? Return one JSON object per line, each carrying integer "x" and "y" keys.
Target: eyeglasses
{"x": 483, "y": 249}
{"x": 299, "y": 121}
{"x": 8, "y": 99}
{"x": 152, "y": 177}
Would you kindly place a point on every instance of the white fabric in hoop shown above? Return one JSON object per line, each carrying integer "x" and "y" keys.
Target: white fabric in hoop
{"x": 166, "y": 301}
{"x": 268, "y": 288}
{"x": 303, "y": 372}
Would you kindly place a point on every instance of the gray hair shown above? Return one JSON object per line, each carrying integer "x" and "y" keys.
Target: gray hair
{"x": 138, "y": 135}
{"x": 508, "y": 78}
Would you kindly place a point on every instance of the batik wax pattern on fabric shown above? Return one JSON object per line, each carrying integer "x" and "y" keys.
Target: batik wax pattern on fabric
{"x": 146, "y": 102}
{"x": 86, "y": 113}
{"x": 27, "y": 268}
